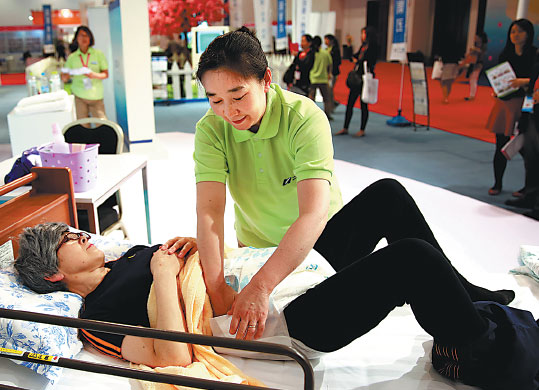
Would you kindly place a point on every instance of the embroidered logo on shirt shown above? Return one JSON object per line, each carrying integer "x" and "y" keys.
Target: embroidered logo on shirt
{"x": 288, "y": 180}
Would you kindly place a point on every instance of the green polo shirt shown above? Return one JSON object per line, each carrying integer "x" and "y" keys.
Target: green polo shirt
{"x": 96, "y": 61}
{"x": 262, "y": 169}
{"x": 319, "y": 71}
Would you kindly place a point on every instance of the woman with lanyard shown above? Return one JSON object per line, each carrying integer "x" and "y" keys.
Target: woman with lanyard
{"x": 273, "y": 148}
{"x": 87, "y": 66}
{"x": 520, "y": 53}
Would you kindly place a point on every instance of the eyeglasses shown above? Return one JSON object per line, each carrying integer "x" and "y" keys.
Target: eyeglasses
{"x": 72, "y": 236}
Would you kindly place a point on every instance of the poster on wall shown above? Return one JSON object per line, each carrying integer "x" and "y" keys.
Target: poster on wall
{"x": 398, "y": 45}
{"x": 263, "y": 23}
{"x": 48, "y": 46}
{"x": 281, "y": 41}
{"x": 301, "y": 13}
{"x": 236, "y": 13}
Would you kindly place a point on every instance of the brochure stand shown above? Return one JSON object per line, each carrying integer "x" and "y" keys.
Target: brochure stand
{"x": 420, "y": 88}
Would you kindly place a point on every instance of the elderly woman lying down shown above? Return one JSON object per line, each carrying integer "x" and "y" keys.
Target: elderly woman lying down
{"x": 480, "y": 343}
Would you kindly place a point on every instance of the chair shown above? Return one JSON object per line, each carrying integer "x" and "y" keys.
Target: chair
{"x": 110, "y": 137}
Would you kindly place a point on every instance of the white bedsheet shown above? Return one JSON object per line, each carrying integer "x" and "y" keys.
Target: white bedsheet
{"x": 395, "y": 355}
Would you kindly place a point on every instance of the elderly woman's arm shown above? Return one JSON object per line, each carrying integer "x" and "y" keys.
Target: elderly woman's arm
{"x": 165, "y": 268}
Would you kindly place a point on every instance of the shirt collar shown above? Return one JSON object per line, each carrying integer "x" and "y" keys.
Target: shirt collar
{"x": 90, "y": 51}
{"x": 269, "y": 126}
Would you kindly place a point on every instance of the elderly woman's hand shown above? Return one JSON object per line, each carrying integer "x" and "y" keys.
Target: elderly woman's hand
{"x": 182, "y": 246}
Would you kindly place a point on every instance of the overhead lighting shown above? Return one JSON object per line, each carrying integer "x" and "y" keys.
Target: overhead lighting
{"x": 66, "y": 13}
{"x": 30, "y": 18}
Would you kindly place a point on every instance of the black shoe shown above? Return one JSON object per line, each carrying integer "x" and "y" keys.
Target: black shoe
{"x": 532, "y": 214}
{"x": 523, "y": 202}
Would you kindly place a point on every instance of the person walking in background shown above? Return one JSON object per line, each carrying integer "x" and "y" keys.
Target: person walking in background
{"x": 335, "y": 53}
{"x": 320, "y": 74}
{"x": 91, "y": 68}
{"x": 368, "y": 51}
{"x": 301, "y": 68}
{"x": 474, "y": 60}
{"x": 520, "y": 53}
{"x": 450, "y": 58}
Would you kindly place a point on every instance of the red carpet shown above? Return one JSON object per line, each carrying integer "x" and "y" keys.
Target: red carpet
{"x": 13, "y": 78}
{"x": 459, "y": 116}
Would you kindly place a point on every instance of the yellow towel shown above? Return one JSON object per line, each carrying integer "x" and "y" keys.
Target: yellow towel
{"x": 207, "y": 364}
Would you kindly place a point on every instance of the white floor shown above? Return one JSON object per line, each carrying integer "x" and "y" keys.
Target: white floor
{"x": 482, "y": 241}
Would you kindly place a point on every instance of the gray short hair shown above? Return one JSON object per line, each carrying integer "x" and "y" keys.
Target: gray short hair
{"x": 37, "y": 257}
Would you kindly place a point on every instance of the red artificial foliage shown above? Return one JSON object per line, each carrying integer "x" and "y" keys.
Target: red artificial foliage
{"x": 169, "y": 17}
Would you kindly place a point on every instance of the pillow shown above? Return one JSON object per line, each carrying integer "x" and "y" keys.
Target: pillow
{"x": 240, "y": 266}
{"x": 243, "y": 263}
{"x": 35, "y": 337}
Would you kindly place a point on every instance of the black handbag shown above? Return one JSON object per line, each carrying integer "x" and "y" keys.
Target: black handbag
{"x": 353, "y": 81}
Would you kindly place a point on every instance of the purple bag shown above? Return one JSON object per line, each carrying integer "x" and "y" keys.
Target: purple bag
{"x": 22, "y": 165}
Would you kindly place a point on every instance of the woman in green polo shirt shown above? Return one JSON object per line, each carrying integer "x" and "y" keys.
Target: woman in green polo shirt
{"x": 273, "y": 148}
{"x": 87, "y": 67}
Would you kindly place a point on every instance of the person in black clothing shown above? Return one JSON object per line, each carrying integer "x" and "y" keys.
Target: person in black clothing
{"x": 520, "y": 53}
{"x": 368, "y": 52}
{"x": 529, "y": 126}
{"x": 301, "y": 67}
{"x": 477, "y": 337}
{"x": 333, "y": 48}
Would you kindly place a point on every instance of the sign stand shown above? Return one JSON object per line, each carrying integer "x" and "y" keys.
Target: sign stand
{"x": 420, "y": 89}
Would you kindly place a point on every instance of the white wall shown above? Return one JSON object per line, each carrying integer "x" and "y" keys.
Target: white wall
{"x": 354, "y": 20}
{"x": 16, "y": 12}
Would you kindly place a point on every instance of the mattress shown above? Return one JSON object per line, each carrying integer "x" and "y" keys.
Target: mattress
{"x": 482, "y": 242}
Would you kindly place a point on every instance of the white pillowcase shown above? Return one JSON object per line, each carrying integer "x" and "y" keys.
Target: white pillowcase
{"x": 36, "y": 337}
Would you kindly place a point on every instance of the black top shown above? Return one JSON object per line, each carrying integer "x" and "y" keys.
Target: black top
{"x": 522, "y": 65}
{"x": 367, "y": 52}
{"x": 336, "y": 60}
{"x": 121, "y": 297}
{"x": 304, "y": 63}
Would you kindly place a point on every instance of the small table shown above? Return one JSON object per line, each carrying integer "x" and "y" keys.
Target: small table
{"x": 113, "y": 171}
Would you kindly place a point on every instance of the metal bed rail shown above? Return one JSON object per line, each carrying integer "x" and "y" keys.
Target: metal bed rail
{"x": 107, "y": 327}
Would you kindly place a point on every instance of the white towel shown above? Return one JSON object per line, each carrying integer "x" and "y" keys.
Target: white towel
{"x": 529, "y": 260}
{"x": 42, "y": 98}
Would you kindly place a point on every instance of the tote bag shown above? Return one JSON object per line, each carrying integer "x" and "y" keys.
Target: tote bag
{"x": 437, "y": 70}
{"x": 369, "y": 93}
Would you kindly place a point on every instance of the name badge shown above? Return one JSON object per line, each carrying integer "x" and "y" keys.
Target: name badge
{"x": 297, "y": 75}
{"x": 527, "y": 106}
{"x": 87, "y": 83}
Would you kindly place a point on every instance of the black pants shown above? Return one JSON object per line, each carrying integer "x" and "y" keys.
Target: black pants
{"x": 499, "y": 160}
{"x": 368, "y": 286}
{"x": 354, "y": 94}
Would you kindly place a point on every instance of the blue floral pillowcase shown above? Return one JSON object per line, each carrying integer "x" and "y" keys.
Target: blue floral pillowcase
{"x": 43, "y": 338}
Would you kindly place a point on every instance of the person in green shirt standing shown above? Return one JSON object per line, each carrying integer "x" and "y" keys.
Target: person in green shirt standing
{"x": 319, "y": 75}
{"x": 87, "y": 68}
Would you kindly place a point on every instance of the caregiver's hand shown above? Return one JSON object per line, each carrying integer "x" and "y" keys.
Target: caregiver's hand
{"x": 182, "y": 246}
{"x": 249, "y": 312}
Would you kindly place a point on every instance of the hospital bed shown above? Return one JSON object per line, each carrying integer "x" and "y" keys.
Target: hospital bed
{"x": 482, "y": 241}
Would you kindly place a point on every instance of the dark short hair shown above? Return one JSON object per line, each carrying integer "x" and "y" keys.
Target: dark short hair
{"x": 37, "y": 256}
{"x": 239, "y": 51}
{"x": 308, "y": 37}
{"x": 87, "y": 31}
{"x": 316, "y": 43}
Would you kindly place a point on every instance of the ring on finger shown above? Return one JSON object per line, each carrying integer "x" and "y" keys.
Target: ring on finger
{"x": 252, "y": 326}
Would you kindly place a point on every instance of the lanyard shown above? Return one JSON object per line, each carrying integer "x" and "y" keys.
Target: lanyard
{"x": 87, "y": 60}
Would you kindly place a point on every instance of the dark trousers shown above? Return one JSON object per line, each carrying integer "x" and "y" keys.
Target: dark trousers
{"x": 354, "y": 94}
{"x": 499, "y": 160}
{"x": 412, "y": 269}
